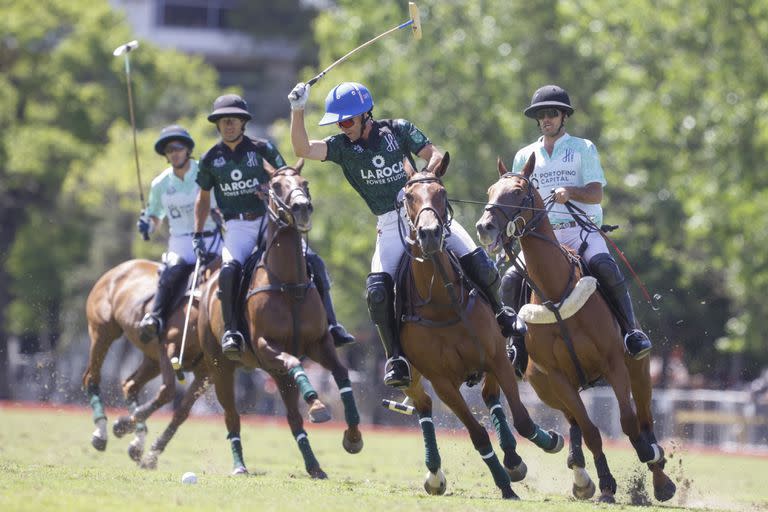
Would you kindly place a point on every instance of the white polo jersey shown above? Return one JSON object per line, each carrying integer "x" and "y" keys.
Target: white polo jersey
{"x": 574, "y": 162}
{"x": 175, "y": 198}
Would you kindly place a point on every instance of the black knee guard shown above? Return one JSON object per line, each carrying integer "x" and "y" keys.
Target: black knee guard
{"x": 172, "y": 278}
{"x": 380, "y": 295}
{"x": 229, "y": 281}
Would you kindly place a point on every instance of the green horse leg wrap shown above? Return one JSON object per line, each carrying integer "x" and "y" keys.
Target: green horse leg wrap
{"x": 310, "y": 462}
{"x": 237, "y": 450}
{"x": 541, "y": 438}
{"x": 431, "y": 453}
{"x": 132, "y": 406}
{"x": 500, "y": 475}
{"x": 351, "y": 415}
{"x": 305, "y": 387}
{"x": 506, "y": 438}
{"x": 97, "y": 406}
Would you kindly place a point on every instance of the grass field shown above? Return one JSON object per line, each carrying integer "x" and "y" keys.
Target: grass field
{"x": 47, "y": 463}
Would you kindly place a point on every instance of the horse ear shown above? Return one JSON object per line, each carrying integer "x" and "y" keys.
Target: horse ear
{"x": 299, "y": 165}
{"x": 409, "y": 170}
{"x": 501, "y": 166}
{"x": 443, "y": 166}
{"x": 269, "y": 168}
{"x": 529, "y": 165}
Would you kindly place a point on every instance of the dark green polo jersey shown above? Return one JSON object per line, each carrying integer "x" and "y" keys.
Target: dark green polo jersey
{"x": 236, "y": 175}
{"x": 374, "y": 167}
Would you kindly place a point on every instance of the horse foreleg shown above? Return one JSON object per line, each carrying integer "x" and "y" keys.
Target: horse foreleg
{"x": 450, "y": 395}
{"x": 180, "y": 415}
{"x": 549, "y": 441}
{"x": 435, "y": 482}
{"x": 289, "y": 393}
{"x": 102, "y": 337}
{"x": 325, "y": 354}
{"x": 571, "y": 401}
{"x": 513, "y": 463}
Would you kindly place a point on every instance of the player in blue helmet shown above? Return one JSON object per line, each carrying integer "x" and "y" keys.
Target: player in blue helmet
{"x": 371, "y": 154}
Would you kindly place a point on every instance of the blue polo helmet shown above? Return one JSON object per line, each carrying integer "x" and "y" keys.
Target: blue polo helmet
{"x": 348, "y": 99}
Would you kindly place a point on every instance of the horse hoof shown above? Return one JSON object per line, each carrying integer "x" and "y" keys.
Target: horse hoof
{"x": 135, "y": 452}
{"x": 665, "y": 492}
{"x": 606, "y": 498}
{"x": 99, "y": 443}
{"x": 584, "y": 493}
{"x": 123, "y": 425}
{"x": 518, "y": 472}
{"x": 240, "y": 470}
{"x": 352, "y": 441}
{"x": 317, "y": 473}
{"x": 435, "y": 483}
{"x": 508, "y": 494}
{"x": 318, "y": 412}
{"x": 558, "y": 444}
{"x": 148, "y": 463}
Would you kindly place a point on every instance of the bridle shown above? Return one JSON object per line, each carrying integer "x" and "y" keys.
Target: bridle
{"x": 443, "y": 221}
{"x": 279, "y": 210}
{"x": 516, "y": 225}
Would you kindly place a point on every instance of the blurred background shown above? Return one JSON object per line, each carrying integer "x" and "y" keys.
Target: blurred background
{"x": 673, "y": 93}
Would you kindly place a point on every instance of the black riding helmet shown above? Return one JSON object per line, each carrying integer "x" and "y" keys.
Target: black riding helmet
{"x": 173, "y": 132}
{"x": 229, "y": 105}
{"x": 549, "y": 96}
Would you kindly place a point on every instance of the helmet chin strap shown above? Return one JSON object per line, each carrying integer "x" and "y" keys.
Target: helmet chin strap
{"x": 560, "y": 128}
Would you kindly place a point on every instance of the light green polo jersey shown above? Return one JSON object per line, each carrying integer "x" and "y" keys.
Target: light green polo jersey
{"x": 175, "y": 198}
{"x": 574, "y": 162}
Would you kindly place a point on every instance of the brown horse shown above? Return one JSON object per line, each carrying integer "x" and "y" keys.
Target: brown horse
{"x": 453, "y": 337}
{"x": 114, "y": 307}
{"x": 286, "y": 320}
{"x": 577, "y": 350}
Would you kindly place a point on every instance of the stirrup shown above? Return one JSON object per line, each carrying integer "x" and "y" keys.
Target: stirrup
{"x": 639, "y": 338}
{"x": 340, "y": 335}
{"x": 391, "y": 375}
{"x": 231, "y": 344}
{"x": 510, "y": 323}
{"x": 150, "y": 327}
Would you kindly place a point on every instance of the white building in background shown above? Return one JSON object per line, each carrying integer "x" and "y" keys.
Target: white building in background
{"x": 264, "y": 69}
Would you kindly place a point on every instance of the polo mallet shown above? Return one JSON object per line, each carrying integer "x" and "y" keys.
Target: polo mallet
{"x": 125, "y": 49}
{"x": 414, "y": 22}
{"x": 401, "y": 407}
{"x": 177, "y": 361}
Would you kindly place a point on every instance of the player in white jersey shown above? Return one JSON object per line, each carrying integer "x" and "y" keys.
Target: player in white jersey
{"x": 172, "y": 195}
{"x": 571, "y": 167}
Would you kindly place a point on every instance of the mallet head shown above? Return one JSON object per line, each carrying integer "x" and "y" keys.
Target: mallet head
{"x": 125, "y": 48}
{"x": 175, "y": 363}
{"x": 413, "y": 9}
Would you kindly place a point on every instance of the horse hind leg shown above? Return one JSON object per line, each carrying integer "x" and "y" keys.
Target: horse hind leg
{"x": 180, "y": 415}
{"x": 583, "y": 486}
{"x": 102, "y": 336}
{"x": 223, "y": 377}
{"x": 290, "y": 394}
{"x": 451, "y": 396}
{"x": 513, "y": 463}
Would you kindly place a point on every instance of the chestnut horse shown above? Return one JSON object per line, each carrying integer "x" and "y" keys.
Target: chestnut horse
{"x": 567, "y": 354}
{"x": 286, "y": 321}
{"x": 114, "y": 307}
{"x": 453, "y": 337}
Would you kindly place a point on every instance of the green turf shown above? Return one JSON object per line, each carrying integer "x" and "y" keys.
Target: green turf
{"x": 47, "y": 463}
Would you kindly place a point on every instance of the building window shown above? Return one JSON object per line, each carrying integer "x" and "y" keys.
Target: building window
{"x": 213, "y": 14}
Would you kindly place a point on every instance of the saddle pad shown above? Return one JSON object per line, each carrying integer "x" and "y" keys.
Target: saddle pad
{"x": 538, "y": 314}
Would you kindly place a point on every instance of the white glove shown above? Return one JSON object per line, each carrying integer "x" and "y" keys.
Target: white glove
{"x": 299, "y": 96}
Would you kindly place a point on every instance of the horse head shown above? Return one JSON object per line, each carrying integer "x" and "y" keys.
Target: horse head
{"x": 290, "y": 203}
{"x": 426, "y": 205}
{"x": 511, "y": 211}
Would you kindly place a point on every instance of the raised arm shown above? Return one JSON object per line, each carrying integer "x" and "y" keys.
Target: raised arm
{"x": 302, "y": 146}
{"x": 432, "y": 155}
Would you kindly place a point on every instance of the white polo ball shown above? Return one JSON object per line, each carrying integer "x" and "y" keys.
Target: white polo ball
{"x": 189, "y": 478}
